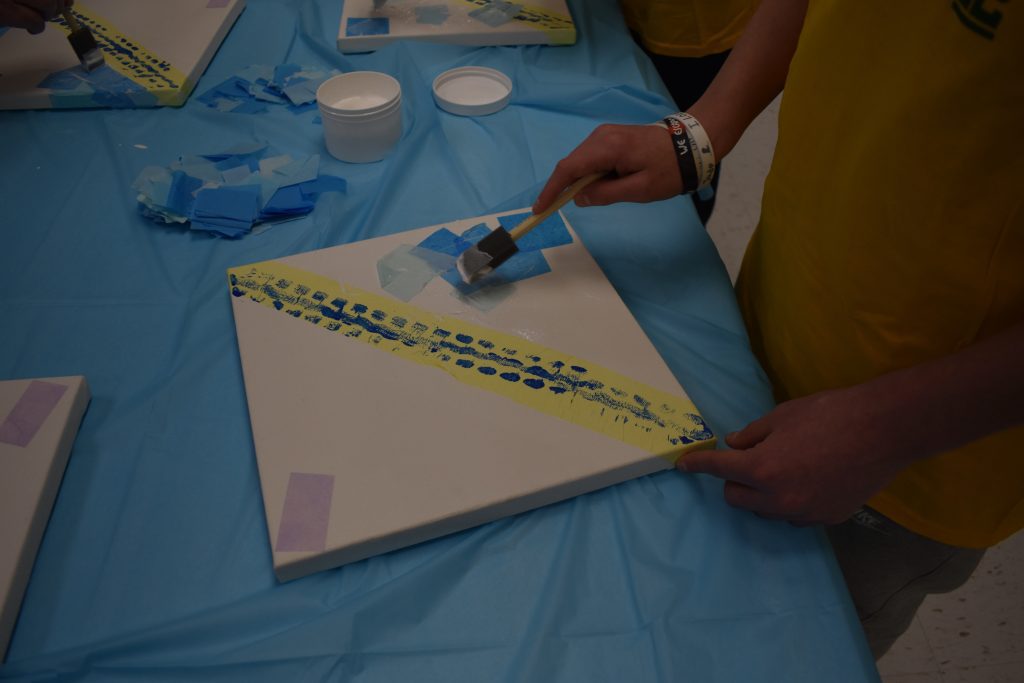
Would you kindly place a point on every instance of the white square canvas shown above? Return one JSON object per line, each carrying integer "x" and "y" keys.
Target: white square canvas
{"x": 154, "y": 51}
{"x": 39, "y": 419}
{"x": 371, "y": 24}
{"x": 368, "y": 441}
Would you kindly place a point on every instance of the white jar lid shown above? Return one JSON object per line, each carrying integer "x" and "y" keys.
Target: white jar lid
{"x": 472, "y": 91}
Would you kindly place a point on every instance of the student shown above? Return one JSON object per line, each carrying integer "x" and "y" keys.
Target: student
{"x": 31, "y": 15}
{"x": 688, "y": 41}
{"x": 883, "y": 289}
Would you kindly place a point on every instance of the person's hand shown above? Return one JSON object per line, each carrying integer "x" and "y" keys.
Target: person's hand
{"x": 813, "y": 460}
{"x": 640, "y": 161}
{"x": 31, "y": 15}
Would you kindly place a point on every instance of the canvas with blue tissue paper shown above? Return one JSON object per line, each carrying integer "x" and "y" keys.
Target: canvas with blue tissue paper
{"x": 371, "y": 24}
{"x": 391, "y": 403}
{"x": 154, "y": 53}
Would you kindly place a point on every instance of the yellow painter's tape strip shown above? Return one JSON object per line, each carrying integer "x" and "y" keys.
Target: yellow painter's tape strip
{"x": 133, "y": 61}
{"x": 558, "y": 27}
{"x": 531, "y": 374}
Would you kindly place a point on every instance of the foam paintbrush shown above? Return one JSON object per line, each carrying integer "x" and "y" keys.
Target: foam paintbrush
{"x": 83, "y": 42}
{"x": 500, "y": 244}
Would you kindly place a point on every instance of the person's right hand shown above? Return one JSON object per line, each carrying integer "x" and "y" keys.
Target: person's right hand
{"x": 31, "y": 15}
{"x": 640, "y": 162}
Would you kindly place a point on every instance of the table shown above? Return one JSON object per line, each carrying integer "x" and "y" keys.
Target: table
{"x": 156, "y": 566}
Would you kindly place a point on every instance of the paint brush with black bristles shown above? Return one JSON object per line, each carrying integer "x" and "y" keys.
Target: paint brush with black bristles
{"x": 500, "y": 244}
{"x": 83, "y": 43}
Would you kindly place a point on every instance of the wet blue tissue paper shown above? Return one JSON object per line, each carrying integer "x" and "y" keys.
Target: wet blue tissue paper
{"x": 434, "y": 15}
{"x": 103, "y": 87}
{"x": 375, "y": 26}
{"x": 551, "y": 232}
{"x": 496, "y": 13}
{"x": 524, "y": 264}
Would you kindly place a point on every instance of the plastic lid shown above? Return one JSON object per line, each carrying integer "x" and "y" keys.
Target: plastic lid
{"x": 472, "y": 91}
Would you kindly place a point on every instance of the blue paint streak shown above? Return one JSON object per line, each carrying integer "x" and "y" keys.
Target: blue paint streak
{"x": 466, "y": 354}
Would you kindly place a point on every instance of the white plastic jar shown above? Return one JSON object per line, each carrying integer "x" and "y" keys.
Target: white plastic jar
{"x": 362, "y": 115}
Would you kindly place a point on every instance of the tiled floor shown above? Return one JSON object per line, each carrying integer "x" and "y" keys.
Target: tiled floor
{"x": 973, "y": 635}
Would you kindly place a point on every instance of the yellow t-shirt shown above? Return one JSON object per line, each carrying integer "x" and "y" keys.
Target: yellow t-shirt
{"x": 892, "y": 227}
{"x": 688, "y": 28}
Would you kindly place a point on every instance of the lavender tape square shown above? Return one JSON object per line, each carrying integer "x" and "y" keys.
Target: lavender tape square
{"x": 30, "y": 412}
{"x": 307, "y": 511}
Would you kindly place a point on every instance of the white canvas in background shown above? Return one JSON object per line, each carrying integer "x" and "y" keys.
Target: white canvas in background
{"x": 38, "y": 423}
{"x": 184, "y": 33}
{"x": 415, "y": 454}
{"x": 371, "y": 24}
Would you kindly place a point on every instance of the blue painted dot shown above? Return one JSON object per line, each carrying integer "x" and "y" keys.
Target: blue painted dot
{"x": 359, "y": 308}
{"x": 463, "y": 338}
{"x": 579, "y": 369}
{"x": 441, "y": 333}
{"x": 510, "y": 376}
{"x": 534, "y": 383}
{"x": 557, "y": 390}
{"x": 278, "y": 305}
{"x": 378, "y": 315}
{"x": 486, "y": 370}
{"x": 464, "y": 363}
{"x": 484, "y": 343}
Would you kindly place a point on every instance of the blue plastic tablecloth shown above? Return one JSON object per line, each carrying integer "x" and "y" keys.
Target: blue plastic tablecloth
{"x": 156, "y": 564}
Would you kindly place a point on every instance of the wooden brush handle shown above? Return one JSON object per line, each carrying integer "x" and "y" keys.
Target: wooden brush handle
{"x": 70, "y": 18}
{"x": 560, "y": 201}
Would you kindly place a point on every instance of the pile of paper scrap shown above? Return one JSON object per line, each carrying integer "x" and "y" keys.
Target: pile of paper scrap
{"x": 230, "y": 192}
{"x": 251, "y": 89}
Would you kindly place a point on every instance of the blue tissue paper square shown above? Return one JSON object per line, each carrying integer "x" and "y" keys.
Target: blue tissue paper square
{"x": 550, "y": 233}
{"x": 235, "y": 202}
{"x": 375, "y": 26}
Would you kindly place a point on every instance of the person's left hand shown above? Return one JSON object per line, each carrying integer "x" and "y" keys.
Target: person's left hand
{"x": 813, "y": 460}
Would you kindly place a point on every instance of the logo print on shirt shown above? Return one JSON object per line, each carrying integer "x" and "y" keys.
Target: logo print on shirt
{"x": 981, "y": 16}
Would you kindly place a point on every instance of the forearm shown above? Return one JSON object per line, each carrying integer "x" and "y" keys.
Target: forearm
{"x": 754, "y": 73}
{"x": 946, "y": 403}
{"x": 639, "y": 161}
